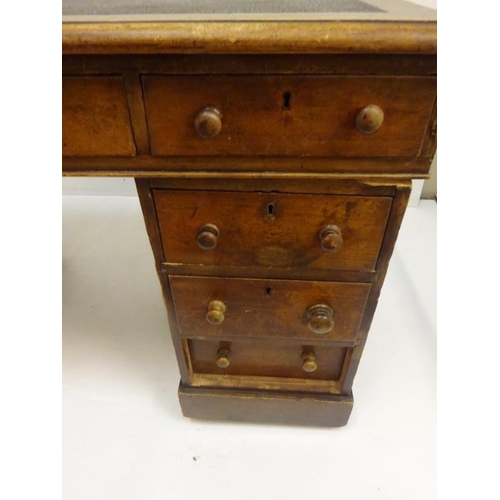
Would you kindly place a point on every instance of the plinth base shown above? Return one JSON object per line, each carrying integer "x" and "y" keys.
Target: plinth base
{"x": 265, "y": 407}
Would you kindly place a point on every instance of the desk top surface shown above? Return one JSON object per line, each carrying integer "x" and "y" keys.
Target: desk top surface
{"x": 243, "y": 10}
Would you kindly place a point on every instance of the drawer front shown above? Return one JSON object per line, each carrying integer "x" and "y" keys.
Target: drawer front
{"x": 95, "y": 119}
{"x": 279, "y": 230}
{"x": 288, "y": 115}
{"x": 268, "y": 358}
{"x": 231, "y": 307}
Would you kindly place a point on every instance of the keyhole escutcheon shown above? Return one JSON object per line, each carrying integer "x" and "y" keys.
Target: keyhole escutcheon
{"x": 287, "y": 98}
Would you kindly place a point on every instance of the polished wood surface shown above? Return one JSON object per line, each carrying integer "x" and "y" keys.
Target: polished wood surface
{"x": 262, "y": 229}
{"x": 288, "y": 115}
{"x": 267, "y": 308}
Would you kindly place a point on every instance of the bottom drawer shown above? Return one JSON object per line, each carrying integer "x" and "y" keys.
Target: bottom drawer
{"x": 267, "y": 363}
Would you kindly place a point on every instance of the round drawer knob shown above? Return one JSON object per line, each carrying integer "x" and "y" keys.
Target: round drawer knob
{"x": 223, "y": 360}
{"x": 320, "y": 319}
{"x": 208, "y": 122}
{"x": 331, "y": 238}
{"x": 208, "y": 236}
{"x": 309, "y": 362}
{"x": 216, "y": 310}
{"x": 369, "y": 119}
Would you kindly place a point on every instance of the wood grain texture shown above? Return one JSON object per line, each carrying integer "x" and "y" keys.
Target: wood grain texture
{"x": 266, "y": 358}
{"x": 95, "y": 117}
{"x": 250, "y": 37}
{"x": 319, "y": 121}
{"x": 268, "y": 272}
{"x": 265, "y": 407}
{"x": 266, "y": 308}
{"x": 133, "y": 89}
{"x": 262, "y": 229}
{"x": 287, "y": 183}
{"x": 215, "y": 166}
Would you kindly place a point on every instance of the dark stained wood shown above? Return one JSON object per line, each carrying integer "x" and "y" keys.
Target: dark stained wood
{"x": 303, "y": 37}
{"x": 320, "y": 120}
{"x": 286, "y": 408}
{"x": 244, "y": 64}
{"x": 266, "y": 308}
{"x": 95, "y": 118}
{"x": 189, "y": 166}
{"x": 266, "y": 358}
{"x": 260, "y": 229}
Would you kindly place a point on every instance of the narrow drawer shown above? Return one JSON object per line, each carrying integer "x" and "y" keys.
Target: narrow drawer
{"x": 95, "y": 117}
{"x": 267, "y": 358}
{"x": 232, "y": 307}
{"x": 288, "y": 115}
{"x": 267, "y": 229}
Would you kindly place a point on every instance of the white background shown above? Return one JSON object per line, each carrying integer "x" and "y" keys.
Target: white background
{"x": 123, "y": 433}
{"x": 30, "y": 208}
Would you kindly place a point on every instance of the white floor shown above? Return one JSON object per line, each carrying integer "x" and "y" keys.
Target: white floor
{"x": 123, "y": 433}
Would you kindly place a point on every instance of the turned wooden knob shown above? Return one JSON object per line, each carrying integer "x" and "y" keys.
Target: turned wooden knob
{"x": 208, "y": 235}
{"x": 216, "y": 310}
{"x": 369, "y": 119}
{"x": 223, "y": 360}
{"x": 309, "y": 362}
{"x": 331, "y": 238}
{"x": 320, "y": 318}
{"x": 208, "y": 122}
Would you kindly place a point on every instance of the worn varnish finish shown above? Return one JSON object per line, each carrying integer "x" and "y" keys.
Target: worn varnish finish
{"x": 262, "y": 229}
{"x": 250, "y": 38}
{"x": 95, "y": 117}
{"x": 271, "y": 407}
{"x": 213, "y": 166}
{"x": 267, "y": 358}
{"x": 273, "y": 164}
{"x": 287, "y": 115}
{"x": 266, "y": 308}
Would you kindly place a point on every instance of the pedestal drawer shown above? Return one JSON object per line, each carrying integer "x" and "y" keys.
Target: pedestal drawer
{"x": 231, "y": 307}
{"x": 271, "y": 230}
{"x": 267, "y": 358}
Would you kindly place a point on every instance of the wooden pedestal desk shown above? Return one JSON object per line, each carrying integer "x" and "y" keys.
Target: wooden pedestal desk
{"x": 273, "y": 154}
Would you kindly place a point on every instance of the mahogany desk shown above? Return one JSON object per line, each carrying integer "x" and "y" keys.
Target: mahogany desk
{"x": 273, "y": 154}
